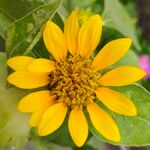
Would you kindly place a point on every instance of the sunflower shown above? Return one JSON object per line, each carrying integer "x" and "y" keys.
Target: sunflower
{"x": 73, "y": 80}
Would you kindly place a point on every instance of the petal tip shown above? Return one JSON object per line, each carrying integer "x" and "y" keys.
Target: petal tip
{"x": 117, "y": 139}
{"x": 134, "y": 112}
{"x": 144, "y": 73}
{"x": 20, "y": 108}
{"x": 41, "y": 133}
{"x": 31, "y": 123}
{"x": 97, "y": 16}
{"x": 8, "y": 62}
{"x": 78, "y": 126}
{"x": 75, "y": 12}
{"x": 48, "y": 22}
{"x": 128, "y": 41}
{"x": 9, "y": 79}
{"x": 80, "y": 144}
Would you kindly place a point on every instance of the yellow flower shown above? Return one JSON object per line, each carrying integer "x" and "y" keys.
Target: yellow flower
{"x": 74, "y": 81}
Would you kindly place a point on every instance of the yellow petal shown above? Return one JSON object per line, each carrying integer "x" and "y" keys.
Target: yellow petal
{"x": 41, "y": 65}
{"x": 122, "y": 76}
{"x": 28, "y": 80}
{"x": 54, "y": 40}
{"x": 19, "y": 63}
{"x": 103, "y": 122}
{"x": 78, "y": 126}
{"x": 116, "y": 101}
{"x": 111, "y": 53}
{"x": 71, "y": 32}
{"x": 89, "y": 35}
{"x": 35, "y": 101}
{"x": 52, "y": 119}
{"x": 37, "y": 115}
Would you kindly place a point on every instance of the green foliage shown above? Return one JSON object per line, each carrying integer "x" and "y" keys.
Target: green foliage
{"x": 116, "y": 17}
{"x": 8, "y": 13}
{"x": 94, "y": 143}
{"x": 60, "y": 136}
{"x": 25, "y": 33}
{"x": 134, "y": 130}
{"x": 2, "y": 44}
{"x": 14, "y": 129}
{"x": 6, "y": 21}
{"x": 71, "y": 4}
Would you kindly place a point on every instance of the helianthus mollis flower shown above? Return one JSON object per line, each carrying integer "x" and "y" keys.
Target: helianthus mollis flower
{"x": 73, "y": 80}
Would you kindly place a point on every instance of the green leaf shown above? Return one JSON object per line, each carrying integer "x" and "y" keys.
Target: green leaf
{"x": 135, "y": 131}
{"x": 55, "y": 137}
{"x": 59, "y": 18}
{"x": 8, "y": 13}
{"x": 79, "y": 3}
{"x": 14, "y": 129}
{"x": 22, "y": 7}
{"x": 94, "y": 143}
{"x": 46, "y": 144}
{"x": 25, "y": 33}
{"x": 3, "y": 71}
{"x": 116, "y": 17}
{"x": 5, "y": 21}
{"x": 2, "y": 44}
{"x": 2, "y": 58}
{"x": 62, "y": 12}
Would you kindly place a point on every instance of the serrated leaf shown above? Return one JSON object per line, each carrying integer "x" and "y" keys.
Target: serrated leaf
{"x": 14, "y": 129}
{"x": 116, "y": 17}
{"x": 8, "y": 13}
{"x": 135, "y": 131}
{"x": 25, "y": 33}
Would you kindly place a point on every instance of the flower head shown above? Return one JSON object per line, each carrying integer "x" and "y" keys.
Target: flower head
{"x": 74, "y": 81}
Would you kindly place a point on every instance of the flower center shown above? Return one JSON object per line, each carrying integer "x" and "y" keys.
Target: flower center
{"x": 74, "y": 82}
